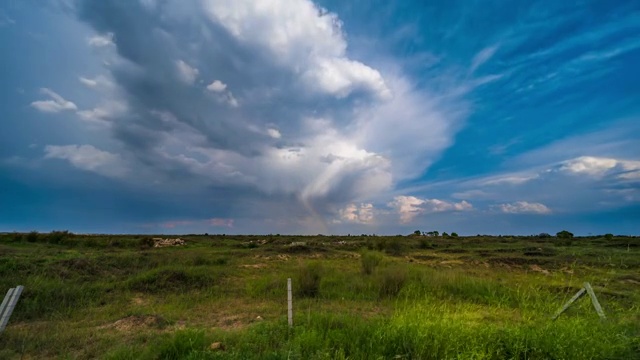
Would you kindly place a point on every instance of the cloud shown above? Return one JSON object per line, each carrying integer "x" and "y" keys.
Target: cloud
{"x": 523, "y": 207}
{"x": 56, "y": 104}
{"x": 87, "y": 157}
{"x": 101, "y": 40}
{"x": 5, "y": 20}
{"x": 352, "y": 131}
{"x": 103, "y": 113}
{"x": 186, "y": 73}
{"x": 97, "y": 82}
{"x": 598, "y": 166}
{"x": 408, "y": 207}
{"x": 298, "y": 34}
{"x": 218, "y": 222}
{"x": 217, "y": 86}
{"x": 358, "y": 214}
{"x": 274, "y": 133}
{"x": 482, "y": 57}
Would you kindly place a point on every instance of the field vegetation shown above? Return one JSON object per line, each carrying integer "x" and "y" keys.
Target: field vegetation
{"x": 355, "y": 297}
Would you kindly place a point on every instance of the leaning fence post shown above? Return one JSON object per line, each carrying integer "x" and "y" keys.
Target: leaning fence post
{"x": 8, "y": 304}
{"x": 289, "y": 303}
{"x": 566, "y": 306}
{"x": 594, "y": 300}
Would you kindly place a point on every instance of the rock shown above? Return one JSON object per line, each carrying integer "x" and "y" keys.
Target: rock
{"x": 216, "y": 346}
{"x": 259, "y": 318}
{"x": 159, "y": 242}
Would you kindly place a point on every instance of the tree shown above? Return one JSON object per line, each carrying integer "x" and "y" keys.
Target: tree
{"x": 564, "y": 234}
{"x": 544, "y": 236}
{"x": 417, "y": 233}
{"x": 608, "y": 236}
{"x": 444, "y": 234}
{"x": 454, "y": 234}
{"x": 433, "y": 233}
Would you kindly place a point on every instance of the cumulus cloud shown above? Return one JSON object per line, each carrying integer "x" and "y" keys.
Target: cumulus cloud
{"x": 186, "y": 73}
{"x": 89, "y": 158}
{"x": 56, "y": 104}
{"x": 598, "y": 166}
{"x": 217, "y": 86}
{"x": 523, "y": 207}
{"x": 299, "y": 35}
{"x": 274, "y": 133}
{"x": 358, "y": 214}
{"x": 352, "y": 131}
{"x": 408, "y": 207}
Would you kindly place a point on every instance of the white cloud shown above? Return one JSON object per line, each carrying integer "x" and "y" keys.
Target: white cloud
{"x": 101, "y": 40}
{"x": 408, "y": 207}
{"x": 347, "y": 140}
{"x": 104, "y": 112}
{"x": 523, "y": 207}
{"x": 274, "y": 133}
{"x": 56, "y": 104}
{"x": 186, "y": 73}
{"x": 217, "y": 86}
{"x": 299, "y": 35}
{"x": 482, "y": 57}
{"x": 358, "y": 214}
{"x": 589, "y": 165}
{"x": 87, "y": 157}
{"x": 97, "y": 82}
{"x": 510, "y": 179}
{"x": 598, "y": 166}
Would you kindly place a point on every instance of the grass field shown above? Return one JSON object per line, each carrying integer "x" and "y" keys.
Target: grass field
{"x": 355, "y": 297}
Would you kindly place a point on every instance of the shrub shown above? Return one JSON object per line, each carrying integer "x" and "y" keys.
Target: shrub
{"x": 564, "y": 234}
{"x": 308, "y": 280}
{"x": 391, "y": 281}
{"x": 173, "y": 279}
{"x": 146, "y": 242}
{"x": 32, "y": 236}
{"x": 369, "y": 261}
{"x": 57, "y": 237}
{"x": 608, "y": 236}
{"x": 454, "y": 234}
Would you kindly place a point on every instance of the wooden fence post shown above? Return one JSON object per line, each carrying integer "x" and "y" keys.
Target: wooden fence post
{"x": 289, "y": 303}
{"x": 8, "y": 304}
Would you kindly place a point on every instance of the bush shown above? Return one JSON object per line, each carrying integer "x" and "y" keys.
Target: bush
{"x": 32, "y": 236}
{"x": 308, "y": 280}
{"x": 391, "y": 281}
{"x": 564, "y": 234}
{"x": 58, "y": 237}
{"x": 608, "y": 236}
{"x": 146, "y": 242}
{"x": 453, "y": 234}
{"x": 369, "y": 261}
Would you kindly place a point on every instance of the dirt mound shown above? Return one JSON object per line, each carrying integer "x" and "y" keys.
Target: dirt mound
{"x": 137, "y": 322}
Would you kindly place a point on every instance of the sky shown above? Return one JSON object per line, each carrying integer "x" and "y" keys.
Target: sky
{"x": 320, "y": 117}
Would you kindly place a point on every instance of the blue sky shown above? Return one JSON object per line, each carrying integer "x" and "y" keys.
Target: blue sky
{"x": 301, "y": 117}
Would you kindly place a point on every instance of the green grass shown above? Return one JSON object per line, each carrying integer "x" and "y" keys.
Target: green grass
{"x": 115, "y": 297}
